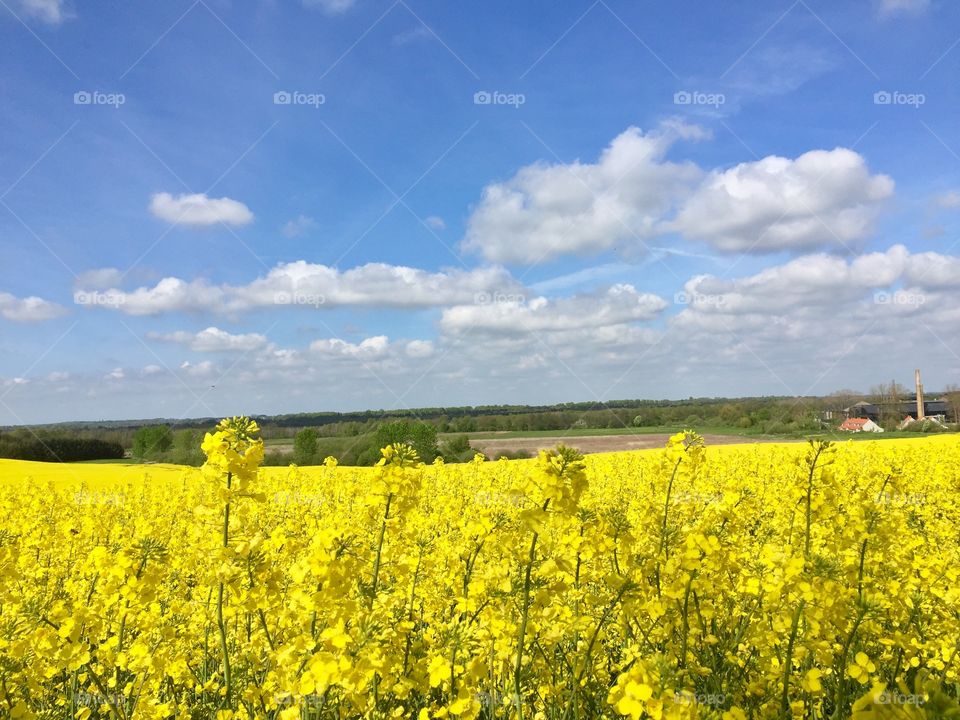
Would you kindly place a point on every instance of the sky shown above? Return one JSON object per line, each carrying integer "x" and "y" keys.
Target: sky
{"x": 211, "y": 207}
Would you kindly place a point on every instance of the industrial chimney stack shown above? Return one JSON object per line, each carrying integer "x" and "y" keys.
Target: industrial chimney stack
{"x": 919, "y": 396}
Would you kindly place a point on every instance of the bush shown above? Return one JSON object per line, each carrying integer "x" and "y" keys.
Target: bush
{"x": 515, "y": 454}
{"x": 59, "y": 449}
{"x": 926, "y": 426}
{"x": 151, "y": 441}
{"x": 456, "y": 449}
{"x": 305, "y": 446}
{"x": 421, "y": 436}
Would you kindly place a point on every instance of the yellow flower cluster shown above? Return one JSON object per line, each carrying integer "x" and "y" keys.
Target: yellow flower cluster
{"x": 764, "y": 581}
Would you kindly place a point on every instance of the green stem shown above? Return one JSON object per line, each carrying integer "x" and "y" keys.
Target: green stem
{"x": 518, "y": 665}
{"x": 788, "y": 662}
{"x": 221, "y": 626}
{"x": 376, "y": 562}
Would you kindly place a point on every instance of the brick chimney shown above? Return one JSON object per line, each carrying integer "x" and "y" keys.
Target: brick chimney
{"x": 919, "y": 396}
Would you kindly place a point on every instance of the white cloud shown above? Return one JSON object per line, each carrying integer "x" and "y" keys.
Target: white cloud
{"x": 313, "y": 285}
{"x": 371, "y": 348}
{"x": 52, "y": 12}
{"x": 299, "y": 226}
{"x": 549, "y": 210}
{"x": 436, "y": 222}
{"x": 213, "y": 339}
{"x": 633, "y": 195}
{"x": 204, "y": 369}
{"x": 331, "y": 7}
{"x": 619, "y": 305}
{"x": 198, "y": 209}
{"x": 820, "y": 198}
{"x": 99, "y": 278}
{"x": 29, "y": 309}
{"x": 419, "y": 348}
{"x": 809, "y": 325}
{"x": 811, "y": 280}
{"x": 888, "y": 8}
{"x": 949, "y": 200}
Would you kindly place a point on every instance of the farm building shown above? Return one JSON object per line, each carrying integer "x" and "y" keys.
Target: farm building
{"x": 860, "y": 425}
{"x": 902, "y": 408}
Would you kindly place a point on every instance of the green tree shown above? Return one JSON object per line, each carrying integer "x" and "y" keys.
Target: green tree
{"x": 305, "y": 446}
{"x": 151, "y": 441}
{"x": 457, "y": 449}
{"x": 422, "y": 436}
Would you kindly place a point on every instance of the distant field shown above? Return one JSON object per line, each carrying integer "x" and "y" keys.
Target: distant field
{"x": 618, "y": 439}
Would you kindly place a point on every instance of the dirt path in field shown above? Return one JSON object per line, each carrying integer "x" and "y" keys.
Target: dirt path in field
{"x": 491, "y": 447}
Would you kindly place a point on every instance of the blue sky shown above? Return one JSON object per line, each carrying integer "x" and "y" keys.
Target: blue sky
{"x": 215, "y": 207}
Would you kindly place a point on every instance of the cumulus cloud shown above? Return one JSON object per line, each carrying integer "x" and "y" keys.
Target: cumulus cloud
{"x": 203, "y": 369}
{"x": 29, "y": 309}
{"x": 949, "y": 200}
{"x": 52, "y": 12}
{"x": 820, "y": 198}
{"x": 436, "y": 222}
{"x": 419, "y": 348}
{"x": 889, "y": 8}
{"x": 313, "y": 285}
{"x": 819, "y": 279}
{"x": 618, "y": 305}
{"x": 198, "y": 209}
{"x": 369, "y": 349}
{"x": 213, "y": 339}
{"x": 583, "y": 208}
{"x": 99, "y": 278}
{"x": 301, "y": 225}
{"x": 810, "y": 324}
{"x": 632, "y": 194}
{"x": 331, "y": 7}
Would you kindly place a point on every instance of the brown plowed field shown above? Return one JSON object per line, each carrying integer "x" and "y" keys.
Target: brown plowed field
{"x": 492, "y": 446}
